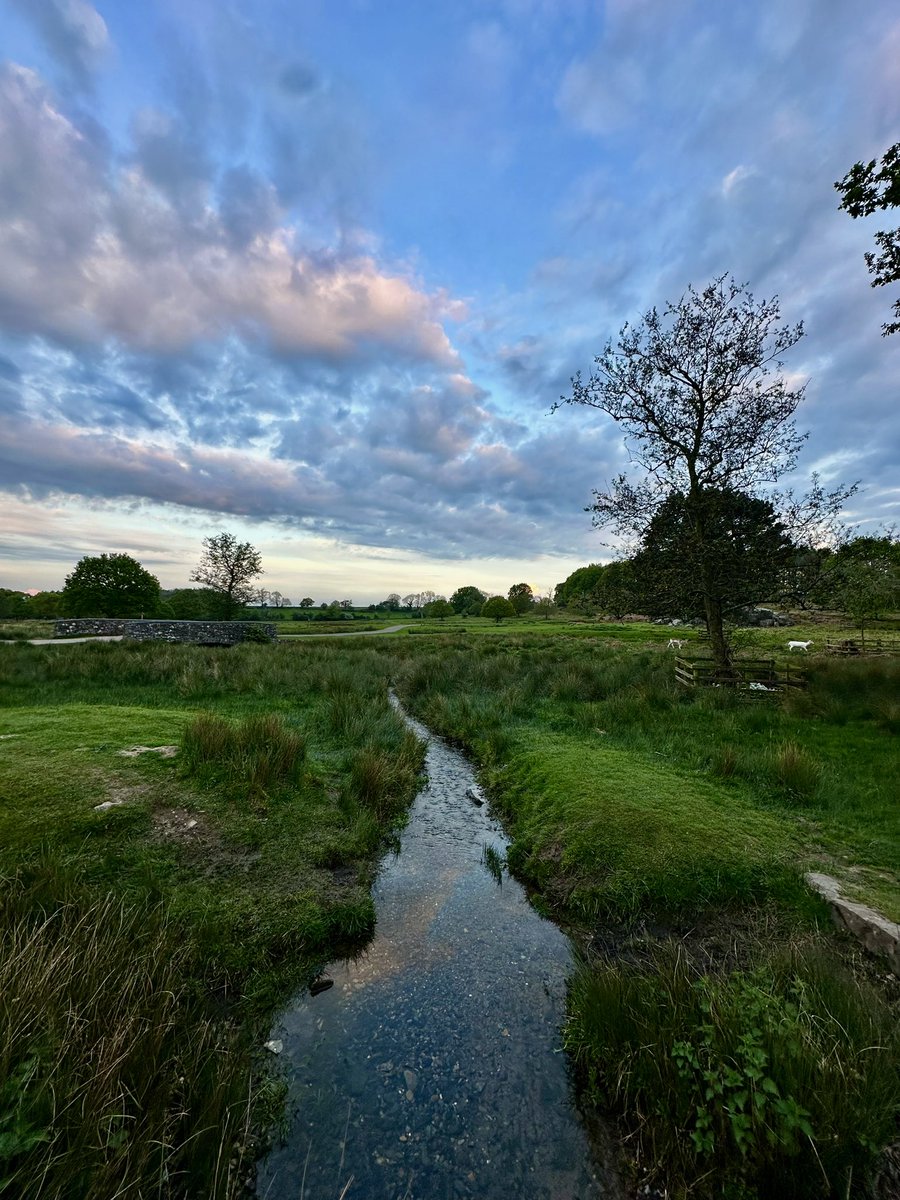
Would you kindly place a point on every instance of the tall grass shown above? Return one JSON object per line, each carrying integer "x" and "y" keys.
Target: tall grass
{"x": 259, "y": 754}
{"x": 115, "y": 1080}
{"x": 778, "y": 1082}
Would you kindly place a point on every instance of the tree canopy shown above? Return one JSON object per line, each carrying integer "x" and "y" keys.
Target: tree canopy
{"x": 742, "y": 535}
{"x": 497, "y": 607}
{"x": 521, "y": 597}
{"x": 866, "y": 188}
{"x": 439, "y": 608}
{"x": 229, "y": 568}
{"x": 706, "y": 411}
{"x": 110, "y": 585}
{"x": 467, "y": 601}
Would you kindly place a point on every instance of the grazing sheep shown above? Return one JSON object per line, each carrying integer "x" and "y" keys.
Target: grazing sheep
{"x": 799, "y": 645}
{"x": 675, "y": 643}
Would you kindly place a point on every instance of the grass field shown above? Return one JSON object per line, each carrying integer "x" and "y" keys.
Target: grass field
{"x": 670, "y": 826}
{"x": 208, "y": 889}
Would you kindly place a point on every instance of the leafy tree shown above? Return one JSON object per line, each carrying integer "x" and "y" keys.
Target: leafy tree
{"x": 12, "y": 604}
{"x": 307, "y": 602}
{"x": 742, "y": 534}
{"x": 468, "y": 601}
{"x": 580, "y": 584}
{"x": 544, "y": 606}
{"x": 192, "y": 604}
{"x": 229, "y": 568}
{"x": 497, "y": 607}
{"x": 617, "y": 590}
{"x": 862, "y": 578}
{"x": 391, "y": 602}
{"x": 110, "y": 585}
{"x": 440, "y": 609}
{"x": 865, "y": 188}
{"x": 705, "y": 410}
{"x": 521, "y": 597}
{"x": 45, "y": 604}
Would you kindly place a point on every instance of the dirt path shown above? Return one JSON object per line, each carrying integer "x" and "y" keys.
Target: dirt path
{"x": 357, "y": 633}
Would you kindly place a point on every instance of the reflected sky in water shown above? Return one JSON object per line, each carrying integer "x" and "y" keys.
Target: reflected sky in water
{"x": 433, "y": 1068}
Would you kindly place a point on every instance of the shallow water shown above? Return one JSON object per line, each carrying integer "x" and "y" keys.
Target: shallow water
{"x": 433, "y": 1068}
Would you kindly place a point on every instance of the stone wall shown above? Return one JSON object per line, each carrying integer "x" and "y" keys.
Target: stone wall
{"x": 201, "y": 633}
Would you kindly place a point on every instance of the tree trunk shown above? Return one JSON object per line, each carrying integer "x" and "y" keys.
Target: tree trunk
{"x": 721, "y": 651}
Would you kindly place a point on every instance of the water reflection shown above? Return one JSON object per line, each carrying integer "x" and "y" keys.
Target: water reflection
{"x": 432, "y": 1069}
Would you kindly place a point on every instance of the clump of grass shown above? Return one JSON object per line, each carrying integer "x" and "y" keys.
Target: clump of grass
{"x": 796, "y": 771}
{"x": 382, "y": 778}
{"x": 777, "y": 1082}
{"x": 259, "y": 754}
{"x": 724, "y": 762}
{"x": 115, "y": 1080}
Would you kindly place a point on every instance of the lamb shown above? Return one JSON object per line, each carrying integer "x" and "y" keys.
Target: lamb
{"x": 675, "y": 643}
{"x": 804, "y": 646}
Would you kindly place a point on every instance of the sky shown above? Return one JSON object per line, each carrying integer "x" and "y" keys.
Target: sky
{"x": 315, "y": 271}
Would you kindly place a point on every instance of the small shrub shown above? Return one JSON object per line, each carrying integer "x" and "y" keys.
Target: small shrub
{"x": 256, "y": 633}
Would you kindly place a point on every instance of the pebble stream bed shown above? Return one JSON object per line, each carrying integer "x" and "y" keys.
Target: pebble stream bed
{"x": 433, "y": 1068}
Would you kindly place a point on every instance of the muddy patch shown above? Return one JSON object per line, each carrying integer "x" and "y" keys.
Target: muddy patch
{"x": 208, "y": 850}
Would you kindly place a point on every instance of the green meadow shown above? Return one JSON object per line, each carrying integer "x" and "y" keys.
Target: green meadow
{"x": 743, "y": 1046}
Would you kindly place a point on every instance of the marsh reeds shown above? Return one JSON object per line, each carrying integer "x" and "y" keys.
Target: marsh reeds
{"x": 259, "y": 754}
{"x": 116, "y": 1080}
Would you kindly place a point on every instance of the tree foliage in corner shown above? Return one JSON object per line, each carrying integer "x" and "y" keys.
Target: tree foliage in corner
{"x": 865, "y": 188}
{"x": 110, "y": 585}
{"x": 229, "y": 568}
{"x": 699, "y": 392}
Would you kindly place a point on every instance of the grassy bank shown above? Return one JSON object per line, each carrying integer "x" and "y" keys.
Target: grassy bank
{"x": 715, "y": 1014}
{"x": 185, "y": 835}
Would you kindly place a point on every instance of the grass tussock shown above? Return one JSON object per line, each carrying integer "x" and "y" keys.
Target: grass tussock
{"x": 796, "y": 771}
{"x": 259, "y": 754}
{"x": 777, "y": 1082}
{"x": 115, "y": 1080}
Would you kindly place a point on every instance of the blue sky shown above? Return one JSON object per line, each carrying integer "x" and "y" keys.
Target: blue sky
{"x": 315, "y": 272}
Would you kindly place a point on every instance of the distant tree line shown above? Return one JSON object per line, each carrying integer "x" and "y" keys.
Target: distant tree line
{"x": 759, "y": 564}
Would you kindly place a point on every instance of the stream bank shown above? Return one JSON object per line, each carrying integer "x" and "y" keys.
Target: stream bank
{"x": 433, "y": 1067}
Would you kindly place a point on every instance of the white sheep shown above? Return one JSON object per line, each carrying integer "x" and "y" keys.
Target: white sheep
{"x": 675, "y": 643}
{"x": 799, "y": 645}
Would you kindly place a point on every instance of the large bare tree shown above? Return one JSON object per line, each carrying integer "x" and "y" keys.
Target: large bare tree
{"x": 706, "y": 410}
{"x": 229, "y": 568}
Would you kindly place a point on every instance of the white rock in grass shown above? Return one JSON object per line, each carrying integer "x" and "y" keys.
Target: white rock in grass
{"x": 275, "y": 1046}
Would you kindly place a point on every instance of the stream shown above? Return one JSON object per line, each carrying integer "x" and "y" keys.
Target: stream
{"x": 433, "y": 1068}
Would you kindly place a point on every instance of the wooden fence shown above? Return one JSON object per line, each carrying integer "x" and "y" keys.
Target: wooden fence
{"x": 757, "y": 677}
{"x": 855, "y": 647}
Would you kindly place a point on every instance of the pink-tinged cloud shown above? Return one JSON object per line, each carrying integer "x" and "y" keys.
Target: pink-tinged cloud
{"x": 90, "y": 251}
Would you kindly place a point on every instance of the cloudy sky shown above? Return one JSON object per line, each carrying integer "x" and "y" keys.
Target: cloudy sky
{"x": 314, "y": 271}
